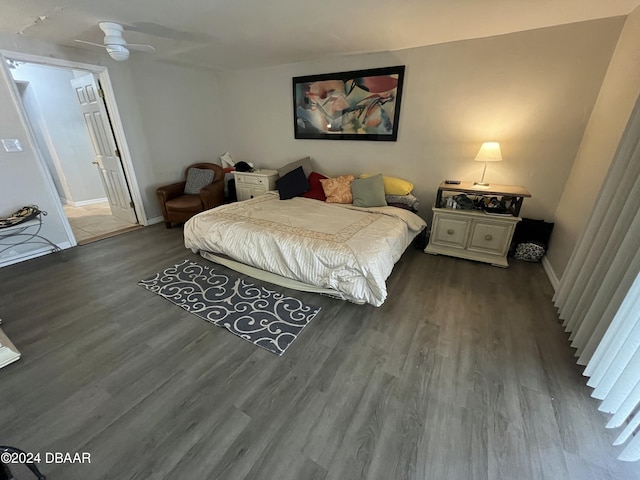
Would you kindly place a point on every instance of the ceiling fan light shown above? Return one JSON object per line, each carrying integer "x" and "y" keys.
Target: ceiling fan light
{"x": 114, "y": 40}
{"x": 118, "y": 52}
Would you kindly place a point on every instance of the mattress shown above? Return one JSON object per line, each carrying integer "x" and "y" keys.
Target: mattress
{"x": 348, "y": 249}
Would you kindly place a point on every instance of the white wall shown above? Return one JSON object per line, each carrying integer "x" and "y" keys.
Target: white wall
{"x": 56, "y": 113}
{"x": 611, "y": 112}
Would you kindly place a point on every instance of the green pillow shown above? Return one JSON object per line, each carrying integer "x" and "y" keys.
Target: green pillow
{"x": 368, "y": 192}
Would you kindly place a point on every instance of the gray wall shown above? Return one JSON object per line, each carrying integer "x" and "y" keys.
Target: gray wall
{"x": 532, "y": 91}
{"x": 180, "y": 122}
{"x": 164, "y": 130}
{"x": 32, "y": 108}
{"x": 611, "y": 112}
{"x": 23, "y": 180}
{"x": 55, "y": 114}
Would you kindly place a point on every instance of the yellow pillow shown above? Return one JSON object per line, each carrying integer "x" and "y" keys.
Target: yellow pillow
{"x": 393, "y": 185}
{"x": 338, "y": 190}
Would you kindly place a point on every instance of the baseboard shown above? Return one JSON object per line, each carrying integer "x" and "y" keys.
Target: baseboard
{"x": 82, "y": 203}
{"x": 23, "y": 257}
{"x": 553, "y": 278}
{"x": 115, "y": 233}
{"x": 154, "y": 220}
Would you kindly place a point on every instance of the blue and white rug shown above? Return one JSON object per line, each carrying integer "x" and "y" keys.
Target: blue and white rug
{"x": 263, "y": 317}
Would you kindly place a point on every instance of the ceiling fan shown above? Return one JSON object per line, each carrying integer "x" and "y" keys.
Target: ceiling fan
{"x": 115, "y": 44}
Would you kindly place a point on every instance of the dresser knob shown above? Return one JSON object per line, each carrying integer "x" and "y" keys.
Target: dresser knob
{"x": 450, "y": 231}
{"x": 488, "y": 238}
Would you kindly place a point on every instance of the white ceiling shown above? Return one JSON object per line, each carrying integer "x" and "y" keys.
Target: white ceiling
{"x": 231, "y": 34}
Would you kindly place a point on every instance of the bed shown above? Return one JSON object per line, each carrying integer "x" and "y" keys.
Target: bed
{"x": 337, "y": 249}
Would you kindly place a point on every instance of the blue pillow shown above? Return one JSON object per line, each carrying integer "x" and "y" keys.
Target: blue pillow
{"x": 293, "y": 184}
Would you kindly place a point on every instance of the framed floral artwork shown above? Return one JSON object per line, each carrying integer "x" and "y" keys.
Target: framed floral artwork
{"x": 356, "y": 105}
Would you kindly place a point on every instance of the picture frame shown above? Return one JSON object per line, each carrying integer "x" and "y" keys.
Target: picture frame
{"x": 354, "y": 105}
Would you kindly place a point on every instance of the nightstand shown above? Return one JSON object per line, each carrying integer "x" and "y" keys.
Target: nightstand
{"x": 254, "y": 184}
{"x": 475, "y": 234}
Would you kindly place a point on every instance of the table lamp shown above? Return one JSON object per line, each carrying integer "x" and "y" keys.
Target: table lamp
{"x": 489, "y": 152}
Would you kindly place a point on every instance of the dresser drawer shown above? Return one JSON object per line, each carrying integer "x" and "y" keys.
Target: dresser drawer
{"x": 474, "y": 234}
{"x": 254, "y": 184}
{"x": 490, "y": 237}
{"x": 252, "y": 179}
{"x": 450, "y": 231}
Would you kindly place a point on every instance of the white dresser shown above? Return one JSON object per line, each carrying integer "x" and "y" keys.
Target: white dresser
{"x": 474, "y": 234}
{"x": 254, "y": 184}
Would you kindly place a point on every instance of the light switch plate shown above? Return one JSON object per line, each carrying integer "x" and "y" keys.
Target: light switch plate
{"x": 11, "y": 144}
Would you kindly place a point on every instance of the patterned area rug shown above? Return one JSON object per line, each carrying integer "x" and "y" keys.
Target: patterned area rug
{"x": 263, "y": 317}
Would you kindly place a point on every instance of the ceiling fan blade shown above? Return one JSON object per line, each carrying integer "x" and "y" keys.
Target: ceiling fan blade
{"x": 90, "y": 43}
{"x": 141, "y": 48}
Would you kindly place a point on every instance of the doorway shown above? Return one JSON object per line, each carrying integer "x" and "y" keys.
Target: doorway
{"x": 75, "y": 147}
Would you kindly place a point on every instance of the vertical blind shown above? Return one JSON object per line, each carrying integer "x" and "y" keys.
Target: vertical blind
{"x": 598, "y": 297}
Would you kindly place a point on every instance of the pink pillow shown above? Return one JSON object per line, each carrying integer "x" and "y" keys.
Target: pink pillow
{"x": 338, "y": 190}
{"x": 316, "y": 191}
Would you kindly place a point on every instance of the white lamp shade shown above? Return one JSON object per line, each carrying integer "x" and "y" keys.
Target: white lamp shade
{"x": 489, "y": 152}
{"x": 117, "y": 52}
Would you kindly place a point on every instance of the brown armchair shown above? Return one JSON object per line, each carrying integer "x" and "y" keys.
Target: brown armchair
{"x": 179, "y": 207}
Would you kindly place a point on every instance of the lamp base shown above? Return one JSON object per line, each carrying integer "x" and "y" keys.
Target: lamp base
{"x": 480, "y": 184}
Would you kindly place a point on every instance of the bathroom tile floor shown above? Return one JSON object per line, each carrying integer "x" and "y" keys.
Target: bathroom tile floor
{"x": 94, "y": 222}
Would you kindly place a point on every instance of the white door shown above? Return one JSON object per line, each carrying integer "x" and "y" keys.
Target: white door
{"x": 104, "y": 146}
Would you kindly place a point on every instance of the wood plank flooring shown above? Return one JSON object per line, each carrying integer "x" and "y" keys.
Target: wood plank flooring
{"x": 464, "y": 373}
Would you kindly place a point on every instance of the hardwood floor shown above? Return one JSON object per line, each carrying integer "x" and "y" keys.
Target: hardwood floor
{"x": 464, "y": 373}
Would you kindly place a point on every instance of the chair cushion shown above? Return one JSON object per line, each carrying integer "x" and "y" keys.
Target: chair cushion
{"x": 197, "y": 179}
{"x": 185, "y": 203}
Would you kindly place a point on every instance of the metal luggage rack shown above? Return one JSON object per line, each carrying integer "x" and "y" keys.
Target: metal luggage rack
{"x": 22, "y": 234}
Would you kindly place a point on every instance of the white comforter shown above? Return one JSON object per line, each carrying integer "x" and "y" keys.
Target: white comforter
{"x": 341, "y": 247}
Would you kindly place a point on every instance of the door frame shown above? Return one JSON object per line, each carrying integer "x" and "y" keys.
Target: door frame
{"x": 102, "y": 74}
